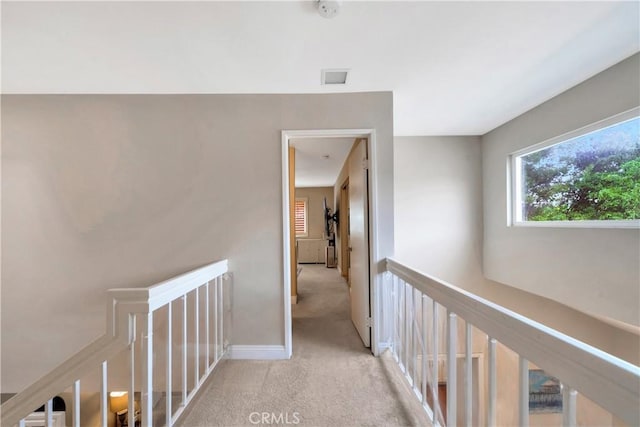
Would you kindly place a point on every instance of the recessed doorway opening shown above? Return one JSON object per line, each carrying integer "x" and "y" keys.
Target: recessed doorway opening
{"x": 361, "y": 248}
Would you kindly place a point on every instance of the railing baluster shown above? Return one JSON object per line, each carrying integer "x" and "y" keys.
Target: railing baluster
{"x": 434, "y": 363}
{"x": 452, "y": 332}
{"x": 523, "y": 393}
{"x": 132, "y": 374}
{"x": 169, "y": 368}
{"x": 405, "y": 326}
{"x": 75, "y": 399}
{"x": 394, "y": 344}
{"x": 184, "y": 350}
{"x": 407, "y": 344}
{"x": 411, "y": 348}
{"x": 468, "y": 372}
{"x": 48, "y": 413}
{"x": 425, "y": 359}
{"x": 414, "y": 340}
{"x": 104, "y": 404}
{"x": 569, "y": 396}
{"x": 221, "y": 302}
{"x": 196, "y": 325}
{"x": 400, "y": 322}
{"x": 394, "y": 320}
{"x": 146, "y": 404}
{"x": 491, "y": 407}
{"x": 215, "y": 319}
{"x": 206, "y": 326}
{"x": 400, "y": 325}
{"x": 400, "y": 319}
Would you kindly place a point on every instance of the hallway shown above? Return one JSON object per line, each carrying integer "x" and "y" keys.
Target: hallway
{"x": 331, "y": 380}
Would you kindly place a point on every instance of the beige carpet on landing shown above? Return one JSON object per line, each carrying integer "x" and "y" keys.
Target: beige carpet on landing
{"x": 331, "y": 380}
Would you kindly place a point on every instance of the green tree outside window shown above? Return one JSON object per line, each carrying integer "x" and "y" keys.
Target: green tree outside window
{"x": 591, "y": 177}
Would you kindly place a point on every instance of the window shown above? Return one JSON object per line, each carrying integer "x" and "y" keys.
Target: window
{"x": 589, "y": 177}
{"x": 301, "y": 218}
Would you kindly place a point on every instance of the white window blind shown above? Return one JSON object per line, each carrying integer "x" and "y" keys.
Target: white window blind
{"x": 301, "y": 217}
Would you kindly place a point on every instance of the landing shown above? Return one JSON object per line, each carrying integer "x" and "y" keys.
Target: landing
{"x": 331, "y": 380}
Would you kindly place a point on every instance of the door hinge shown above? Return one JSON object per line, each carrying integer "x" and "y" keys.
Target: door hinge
{"x": 368, "y": 322}
{"x": 365, "y": 163}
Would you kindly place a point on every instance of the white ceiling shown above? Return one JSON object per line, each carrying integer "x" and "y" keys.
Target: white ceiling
{"x": 454, "y": 67}
{"x": 312, "y": 168}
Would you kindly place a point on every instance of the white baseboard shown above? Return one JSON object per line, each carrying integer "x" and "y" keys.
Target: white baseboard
{"x": 383, "y": 346}
{"x": 257, "y": 352}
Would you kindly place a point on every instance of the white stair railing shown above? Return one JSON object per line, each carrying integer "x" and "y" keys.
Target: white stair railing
{"x": 131, "y": 314}
{"x": 416, "y": 299}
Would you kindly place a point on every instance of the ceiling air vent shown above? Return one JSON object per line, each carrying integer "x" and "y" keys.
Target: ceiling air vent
{"x": 334, "y": 77}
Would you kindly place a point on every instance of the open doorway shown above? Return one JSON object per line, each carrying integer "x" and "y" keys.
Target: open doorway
{"x": 356, "y": 223}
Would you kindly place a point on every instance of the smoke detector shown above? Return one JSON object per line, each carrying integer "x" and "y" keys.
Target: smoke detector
{"x": 328, "y": 8}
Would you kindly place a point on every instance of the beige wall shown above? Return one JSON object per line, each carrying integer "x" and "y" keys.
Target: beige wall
{"x": 438, "y": 206}
{"x": 315, "y": 196}
{"x": 593, "y": 270}
{"x": 438, "y": 222}
{"x": 103, "y": 191}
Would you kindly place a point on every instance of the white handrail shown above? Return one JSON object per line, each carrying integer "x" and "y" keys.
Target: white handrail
{"x": 78, "y": 365}
{"x": 607, "y": 380}
{"x": 122, "y": 303}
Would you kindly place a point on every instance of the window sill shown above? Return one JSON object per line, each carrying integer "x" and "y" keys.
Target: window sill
{"x": 633, "y": 223}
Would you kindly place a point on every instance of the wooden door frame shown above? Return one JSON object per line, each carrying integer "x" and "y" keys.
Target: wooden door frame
{"x": 344, "y": 217}
{"x": 292, "y": 229}
{"x": 375, "y": 281}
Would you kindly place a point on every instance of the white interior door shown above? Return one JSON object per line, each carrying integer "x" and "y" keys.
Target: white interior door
{"x": 359, "y": 241}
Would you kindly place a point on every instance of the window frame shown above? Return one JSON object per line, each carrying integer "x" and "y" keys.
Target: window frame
{"x": 514, "y": 178}
{"x": 305, "y": 200}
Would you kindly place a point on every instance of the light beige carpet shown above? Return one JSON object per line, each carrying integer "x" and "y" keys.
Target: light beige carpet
{"x": 331, "y": 380}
